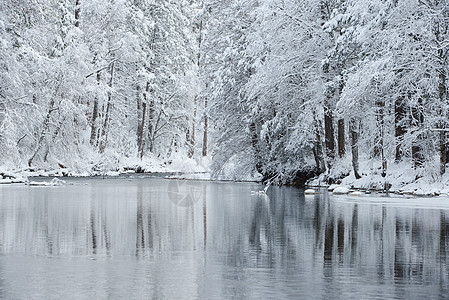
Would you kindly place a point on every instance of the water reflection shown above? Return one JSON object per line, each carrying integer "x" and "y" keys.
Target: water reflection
{"x": 119, "y": 237}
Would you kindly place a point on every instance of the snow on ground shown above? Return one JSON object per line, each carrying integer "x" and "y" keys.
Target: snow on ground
{"x": 176, "y": 163}
{"x": 5, "y": 181}
{"x": 53, "y": 182}
{"x": 401, "y": 178}
{"x": 110, "y": 165}
{"x": 310, "y": 192}
{"x": 340, "y": 190}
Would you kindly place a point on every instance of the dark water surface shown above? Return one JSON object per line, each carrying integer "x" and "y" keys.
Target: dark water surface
{"x": 154, "y": 238}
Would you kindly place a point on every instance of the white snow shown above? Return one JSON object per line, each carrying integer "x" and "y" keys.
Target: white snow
{"x": 341, "y": 190}
{"x": 19, "y": 180}
{"x": 57, "y": 182}
{"x": 5, "y": 181}
{"x": 401, "y": 178}
{"x": 309, "y": 192}
{"x": 53, "y": 182}
{"x": 332, "y": 187}
{"x": 112, "y": 173}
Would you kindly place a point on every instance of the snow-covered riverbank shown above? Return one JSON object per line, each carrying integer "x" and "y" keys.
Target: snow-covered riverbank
{"x": 400, "y": 178}
{"x": 123, "y": 167}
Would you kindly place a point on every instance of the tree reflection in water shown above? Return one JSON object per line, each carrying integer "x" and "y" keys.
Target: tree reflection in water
{"x": 229, "y": 242}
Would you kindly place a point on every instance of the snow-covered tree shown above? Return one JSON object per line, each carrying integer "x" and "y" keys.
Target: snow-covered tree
{"x": 289, "y": 46}
{"x": 230, "y": 68}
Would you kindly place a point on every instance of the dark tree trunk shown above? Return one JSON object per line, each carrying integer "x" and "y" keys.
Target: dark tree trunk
{"x": 93, "y": 128}
{"x": 399, "y": 117}
{"x": 141, "y": 111}
{"x": 442, "y": 137}
{"x": 442, "y": 87}
{"x": 443, "y": 152}
{"x": 417, "y": 155}
{"x": 142, "y": 136}
{"x": 318, "y": 149}
{"x": 379, "y": 150}
{"x": 93, "y": 121}
{"x": 77, "y": 13}
{"x": 151, "y": 111}
{"x": 329, "y": 133}
{"x": 354, "y": 133}
{"x": 139, "y": 116}
{"x": 417, "y": 149}
{"x": 341, "y": 138}
{"x": 255, "y": 145}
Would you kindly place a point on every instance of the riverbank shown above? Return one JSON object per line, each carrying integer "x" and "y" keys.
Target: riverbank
{"x": 399, "y": 178}
{"x": 148, "y": 166}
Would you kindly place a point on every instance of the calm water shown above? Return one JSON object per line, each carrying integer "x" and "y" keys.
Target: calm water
{"x": 155, "y": 238}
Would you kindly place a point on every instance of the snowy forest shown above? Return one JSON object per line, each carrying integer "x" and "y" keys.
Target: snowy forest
{"x": 279, "y": 90}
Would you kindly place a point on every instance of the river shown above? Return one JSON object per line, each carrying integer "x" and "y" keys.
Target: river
{"x": 142, "y": 238}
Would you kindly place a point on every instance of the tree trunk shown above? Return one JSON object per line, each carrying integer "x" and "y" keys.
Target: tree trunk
{"x": 141, "y": 113}
{"x": 318, "y": 149}
{"x": 417, "y": 150}
{"x": 341, "y": 138}
{"x": 399, "y": 130}
{"x": 192, "y": 136}
{"x": 205, "y": 128}
{"x": 77, "y": 13}
{"x": 142, "y": 133}
{"x": 151, "y": 112}
{"x": 329, "y": 132}
{"x": 417, "y": 155}
{"x": 139, "y": 119}
{"x": 442, "y": 88}
{"x": 93, "y": 128}
{"x": 442, "y": 137}
{"x": 105, "y": 130}
{"x": 379, "y": 150}
{"x": 353, "y": 128}
{"x": 443, "y": 152}
{"x": 255, "y": 145}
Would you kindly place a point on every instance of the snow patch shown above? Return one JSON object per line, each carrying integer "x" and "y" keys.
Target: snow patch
{"x": 53, "y": 182}
{"x": 401, "y": 178}
{"x": 332, "y": 187}
{"x": 341, "y": 190}
{"x": 310, "y": 192}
